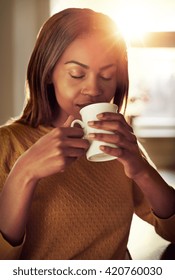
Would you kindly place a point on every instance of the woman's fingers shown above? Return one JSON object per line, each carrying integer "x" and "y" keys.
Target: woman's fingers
{"x": 64, "y": 132}
{"x": 54, "y": 151}
{"x": 117, "y": 117}
{"x": 71, "y": 142}
{"x": 118, "y": 139}
{"x": 114, "y": 123}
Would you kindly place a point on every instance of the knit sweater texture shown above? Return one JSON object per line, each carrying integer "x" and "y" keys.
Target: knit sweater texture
{"x": 83, "y": 213}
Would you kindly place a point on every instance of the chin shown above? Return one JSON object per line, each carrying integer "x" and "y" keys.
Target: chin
{"x": 77, "y": 115}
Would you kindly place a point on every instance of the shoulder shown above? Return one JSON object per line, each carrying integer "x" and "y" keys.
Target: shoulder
{"x": 15, "y": 139}
{"x": 14, "y": 128}
{"x": 11, "y": 132}
{"x": 9, "y": 148}
{"x": 11, "y": 127}
{"x": 11, "y": 139}
{"x": 5, "y": 134}
{"x": 23, "y": 134}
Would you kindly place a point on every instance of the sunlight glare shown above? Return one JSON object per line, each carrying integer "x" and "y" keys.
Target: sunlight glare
{"x": 133, "y": 17}
{"x": 132, "y": 20}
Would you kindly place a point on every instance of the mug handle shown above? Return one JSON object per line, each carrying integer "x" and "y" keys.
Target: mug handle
{"x": 79, "y": 122}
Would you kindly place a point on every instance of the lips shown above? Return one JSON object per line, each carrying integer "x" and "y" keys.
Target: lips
{"x": 80, "y": 106}
{"x": 88, "y": 102}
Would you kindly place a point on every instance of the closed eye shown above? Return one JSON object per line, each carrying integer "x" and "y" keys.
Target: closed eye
{"x": 105, "y": 78}
{"x": 76, "y": 76}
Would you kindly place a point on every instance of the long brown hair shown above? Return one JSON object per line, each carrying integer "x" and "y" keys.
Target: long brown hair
{"x": 55, "y": 36}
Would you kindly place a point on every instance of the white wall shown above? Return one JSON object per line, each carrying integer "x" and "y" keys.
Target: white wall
{"x": 20, "y": 21}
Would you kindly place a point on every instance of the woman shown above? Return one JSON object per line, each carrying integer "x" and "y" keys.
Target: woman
{"x": 55, "y": 204}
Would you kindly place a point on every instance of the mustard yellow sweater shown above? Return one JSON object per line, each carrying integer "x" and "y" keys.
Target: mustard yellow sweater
{"x": 83, "y": 213}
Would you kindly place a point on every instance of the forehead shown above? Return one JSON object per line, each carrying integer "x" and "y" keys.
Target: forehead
{"x": 91, "y": 49}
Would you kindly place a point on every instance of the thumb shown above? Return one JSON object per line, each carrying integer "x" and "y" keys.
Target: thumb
{"x": 68, "y": 121}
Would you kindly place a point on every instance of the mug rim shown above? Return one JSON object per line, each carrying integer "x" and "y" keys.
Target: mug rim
{"x": 99, "y": 103}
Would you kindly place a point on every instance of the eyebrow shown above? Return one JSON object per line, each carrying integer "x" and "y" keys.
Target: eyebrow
{"x": 86, "y": 66}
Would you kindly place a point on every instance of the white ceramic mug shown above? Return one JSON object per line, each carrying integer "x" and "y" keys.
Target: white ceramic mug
{"x": 89, "y": 113}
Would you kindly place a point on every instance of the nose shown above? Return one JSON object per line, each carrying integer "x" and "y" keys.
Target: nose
{"x": 91, "y": 87}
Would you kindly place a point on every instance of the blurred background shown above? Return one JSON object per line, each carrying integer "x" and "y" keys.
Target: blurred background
{"x": 149, "y": 29}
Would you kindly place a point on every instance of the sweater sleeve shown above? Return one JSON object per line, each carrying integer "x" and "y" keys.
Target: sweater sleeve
{"x": 164, "y": 227}
{"x": 7, "y": 251}
{"x": 8, "y": 155}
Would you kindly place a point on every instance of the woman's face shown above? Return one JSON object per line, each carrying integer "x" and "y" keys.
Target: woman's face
{"x": 85, "y": 74}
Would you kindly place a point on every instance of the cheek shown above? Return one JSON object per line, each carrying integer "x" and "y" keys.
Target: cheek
{"x": 63, "y": 91}
{"x": 110, "y": 91}
{"x": 66, "y": 96}
{"x": 66, "y": 87}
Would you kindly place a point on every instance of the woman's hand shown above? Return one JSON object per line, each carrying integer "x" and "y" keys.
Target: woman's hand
{"x": 159, "y": 195}
{"x": 49, "y": 155}
{"x": 54, "y": 151}
{"x": 127, "y": 150}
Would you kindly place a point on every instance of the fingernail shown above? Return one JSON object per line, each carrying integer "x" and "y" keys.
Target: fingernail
{"x": 90, "y": 123}
{"x": 101, "y": 115}
{"x": 91, "y": 135}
